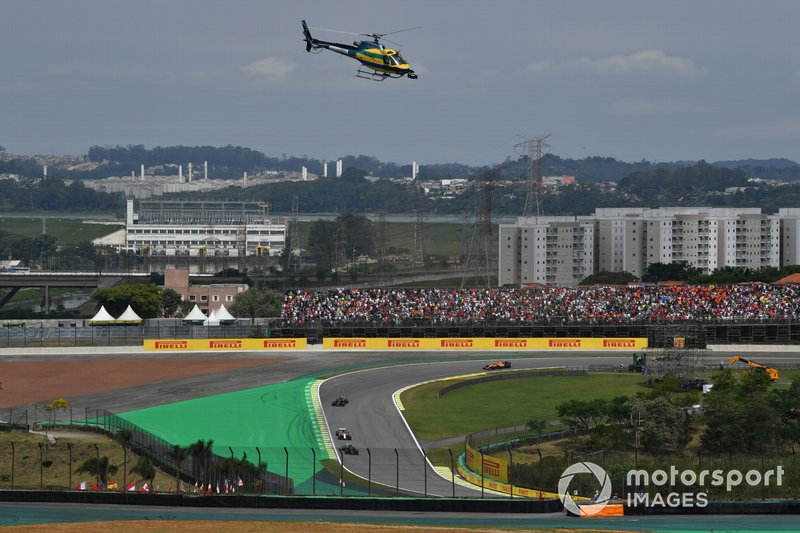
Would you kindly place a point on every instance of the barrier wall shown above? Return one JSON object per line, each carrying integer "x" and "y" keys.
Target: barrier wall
{"x": 484, "y": 343}
{"x": 489, "y": 484}
{"x": 450, "y": 505}
{"x": 224, "y": 344}
{"x": 493, "y": 467}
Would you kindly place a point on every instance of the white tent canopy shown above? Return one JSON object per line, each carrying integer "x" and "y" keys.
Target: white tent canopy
{"x": 224, "y": 316}
{"x": 102, "y": 317}
{"x": 195, "y": 315}
{"x": 212, "y": 319}
{"x": 129, "y": 317}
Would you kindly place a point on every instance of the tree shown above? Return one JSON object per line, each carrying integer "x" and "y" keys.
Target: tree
{"x": 348, "y": 235}
{"x": 145, "y": 299}
{"x": 609, "y": 278}
{"x": 358, "y": 233}
{"x": 585, "y": 415}
{"x": 56, "y": 405}
{"x": 257, "y": 303}
{"x": 202, "y": 451}
{"x": 171, "y": 302}
{"x": 741, "y": 414}
{"x": 536, "y": 426}
{"x": 322, "y": 244}
{"x": 144, "y": 469}
{"x": 677, "y": 271}
{"x": 664, "y": 425}
{"x": 124, "y": 437}
{"x": 100, "y": 468}
{"x": 178, "y": 454}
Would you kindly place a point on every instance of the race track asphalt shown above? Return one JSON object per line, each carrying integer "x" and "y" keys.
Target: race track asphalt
{"x": 377, "y": 425}
{"x": 17, "y": 514}
{"x": 369, "y": 380}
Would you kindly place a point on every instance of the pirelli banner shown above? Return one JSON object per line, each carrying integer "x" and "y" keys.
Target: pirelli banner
{"x": 495, "y": 468}
{"x": 486, "y": 343}
{"x": 495, "y": 476}
{"x": 168, "y": 345}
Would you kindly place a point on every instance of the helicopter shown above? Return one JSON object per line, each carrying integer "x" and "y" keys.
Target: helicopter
{"x": 377, "y": 61}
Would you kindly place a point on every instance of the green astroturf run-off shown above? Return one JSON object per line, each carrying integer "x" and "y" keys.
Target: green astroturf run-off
{"x": 271, "y": 418}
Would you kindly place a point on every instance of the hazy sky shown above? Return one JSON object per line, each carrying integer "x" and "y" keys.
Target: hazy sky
{"x": 657, "y": 80}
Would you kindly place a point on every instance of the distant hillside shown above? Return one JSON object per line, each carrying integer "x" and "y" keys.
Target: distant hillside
{"x": 229, "y": 162}
{"x": 779, "y": 163}
{"x": 769, "y": 169}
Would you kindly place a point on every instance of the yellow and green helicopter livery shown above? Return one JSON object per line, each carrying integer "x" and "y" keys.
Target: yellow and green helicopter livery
{"x": 377, "y": 61}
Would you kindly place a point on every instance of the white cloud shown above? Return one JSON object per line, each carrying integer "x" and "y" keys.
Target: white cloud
{"x": 648, "y": 61}
{"x": 271, "y": 67}
{"x": 655, "y": 61}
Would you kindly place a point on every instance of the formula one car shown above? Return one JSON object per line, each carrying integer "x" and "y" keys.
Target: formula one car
{"x": 500, "y": 365}
{"x": 341, "y": 401}
{"x": 343, "y": 434}
{"x": 348, "y": 449}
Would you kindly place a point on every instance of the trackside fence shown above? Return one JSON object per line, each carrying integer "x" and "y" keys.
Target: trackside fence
{"x": 208, "y": 465}
{"x": 55, "y": 333}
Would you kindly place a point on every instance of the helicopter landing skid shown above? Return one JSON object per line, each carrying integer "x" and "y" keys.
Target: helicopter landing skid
{"x": 369, "y": 74}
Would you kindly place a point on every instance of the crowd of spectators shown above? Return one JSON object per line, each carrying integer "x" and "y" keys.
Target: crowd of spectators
{"x": 545, "y": 305}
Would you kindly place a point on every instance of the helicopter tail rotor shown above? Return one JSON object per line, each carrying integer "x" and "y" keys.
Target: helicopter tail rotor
{"x": 310, "y": 43}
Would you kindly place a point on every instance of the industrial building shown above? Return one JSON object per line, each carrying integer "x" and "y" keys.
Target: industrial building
{"x": 539, "y": 250}
{"x": 175, "y": 228}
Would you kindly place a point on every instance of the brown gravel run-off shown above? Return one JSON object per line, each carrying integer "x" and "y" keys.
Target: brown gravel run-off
{"x": 43, "y": 381}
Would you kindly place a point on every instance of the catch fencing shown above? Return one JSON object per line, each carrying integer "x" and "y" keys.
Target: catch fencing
{"x": 208, "y": 465}
{"x": 54, "y": 333}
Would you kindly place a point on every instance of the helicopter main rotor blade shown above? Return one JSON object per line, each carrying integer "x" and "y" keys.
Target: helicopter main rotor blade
{"x": 335, "y": 31}
{"x": 380, "y": 36}
{"x": 398, "y": 31}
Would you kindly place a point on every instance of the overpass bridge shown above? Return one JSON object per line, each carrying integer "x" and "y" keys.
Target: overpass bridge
{"x": 83, "y": 280}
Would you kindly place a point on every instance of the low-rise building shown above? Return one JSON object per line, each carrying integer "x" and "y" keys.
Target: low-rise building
{"x": 208, "y": 297}
{"x": 235, "y": 229}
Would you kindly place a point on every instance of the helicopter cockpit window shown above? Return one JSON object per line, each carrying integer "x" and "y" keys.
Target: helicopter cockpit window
{"x": 397, "y": 59}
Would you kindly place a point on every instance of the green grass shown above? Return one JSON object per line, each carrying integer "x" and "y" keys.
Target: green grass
{"x": 48, "y": 466}
{"x": 442, "y": 239}
{"x": 67, "y": 230}
{"x": 504, "y": 403}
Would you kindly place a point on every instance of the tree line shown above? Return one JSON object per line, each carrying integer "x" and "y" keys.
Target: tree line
{"x": 649, "y": 185}
{"x": 53, "y": 194}
{"x": 683, "y": 271}
{"x": 744, "y": 420}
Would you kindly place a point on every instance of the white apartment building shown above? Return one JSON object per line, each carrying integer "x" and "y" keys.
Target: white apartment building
{"x": 790, "y": 233}
{"x": 631, "y": 239}
{"x": 705, "y": 237}
{"x": 233, "y": 229}
{"x": 546, "y": 250}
